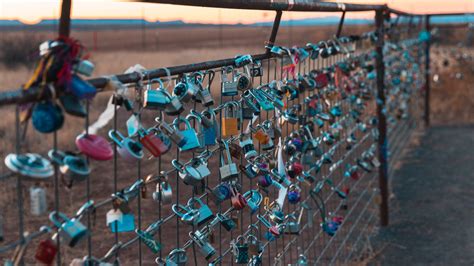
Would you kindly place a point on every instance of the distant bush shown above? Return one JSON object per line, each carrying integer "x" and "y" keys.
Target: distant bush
{"x": 21, "y": 50}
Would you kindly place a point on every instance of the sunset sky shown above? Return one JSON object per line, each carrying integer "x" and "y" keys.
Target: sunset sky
{"x": 31, "y": 11}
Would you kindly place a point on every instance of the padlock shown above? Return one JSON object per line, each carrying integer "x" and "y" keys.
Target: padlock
{"x": 128, "y": 149}
{"x": 272, "y": 229}
{"x": 186, "y": 214}
{"x": 154, "y": 141}
{"x": 177, "y": 257}
{"x": 205, "y": 213}
{"x": 119, "y": 221}
{"x": 174, "y": 135}
{"x": 248, "y": 149}
{"x": 228, "y": 171}
{"x": 240, "y": 249}
{"x": 254, "y": 245}
{"x": 189, "y": 134}
{"x": 249, "y": 106}
{"x": 73, "y": 167}
{"x": 187, "y": 173}
{"x": 164, "y": 192}
{"x": 238, "y": 200}
{"x": 226, "y": 222}
{"x": 201, "y": 240}
{"x": 95, "y": 147}
{"x": 198, "y": 128}
{"x": 72, "y": 105}
{"x": 229, "y": 87}
{"x": 244, "y": 81}
{"x": 71, "y": 231}
{"x": 230, "y": 121}
{"x": 46, "y": 251}
{"x": 155, "y": 99}
{"x": 256, "y": 70}
{"x": 268, "y": 146}
{"x": 254, "y": 199}
{"x": 186, "y": 90}
{"x": 294, "y": 168}
{"x": 210, "y": 127}
{"x": 260, "y": 134}
{"x": 265, "y": 180}
{"x": 200, "y": 164}
{"x": 275, "y": 213}
{"x": 47, "y": 117}
{"x": 294, "y": 194}
{"x": 250, "y": 170}
{"x": 302, "y": 260}
{"x": 148, "y": 240}
{"x": 221, "y": 192}
{"x": 292, "y": 226}
{"x": 81, "y": 88}
{"x": 174, "y": 107}
{"x": 275, "y": 101}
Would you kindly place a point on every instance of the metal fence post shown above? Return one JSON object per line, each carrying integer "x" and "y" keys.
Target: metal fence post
{"x": 382, "y": 123}
{"x": 427, "y": 72}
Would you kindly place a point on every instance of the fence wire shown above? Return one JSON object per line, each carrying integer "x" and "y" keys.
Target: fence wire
{"x": 338, "y": 188}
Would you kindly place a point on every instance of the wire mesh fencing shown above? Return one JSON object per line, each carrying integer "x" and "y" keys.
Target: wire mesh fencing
{"x": 259, "y": 160}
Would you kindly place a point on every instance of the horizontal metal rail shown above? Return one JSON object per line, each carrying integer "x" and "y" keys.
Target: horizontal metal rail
{"x": 279, "y": 5}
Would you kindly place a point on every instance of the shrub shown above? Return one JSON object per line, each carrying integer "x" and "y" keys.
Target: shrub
{"x": 21, "y": 50}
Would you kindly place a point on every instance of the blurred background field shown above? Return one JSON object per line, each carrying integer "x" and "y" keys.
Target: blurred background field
{"x": 113, "y": 51}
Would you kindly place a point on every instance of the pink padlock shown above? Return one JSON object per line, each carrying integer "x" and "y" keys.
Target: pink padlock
{"x": 94, "y": 146}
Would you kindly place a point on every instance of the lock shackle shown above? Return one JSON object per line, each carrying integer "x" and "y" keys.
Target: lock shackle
{"x": 179, "y": 120}
{"x": 197, "y": 116}
{"x": 227, "y": 152}
{"x": 156, "y": 80}
{"x": 264, "y": 221}
{"x": 252, "y": 227}
{"x": 254, "y": 196}
{"x": 178, "y": 165}
{"x": 117, "y": 137}
{"x": 208, "y": 118}
{"x": 194, "y": 200}
{"x": 177, "y": 208}
{"x": 53, "y": 217}
{"x": 84, "y": 208}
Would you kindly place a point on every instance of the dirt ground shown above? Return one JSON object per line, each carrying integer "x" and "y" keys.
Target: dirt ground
{"x": 431, "y": 216}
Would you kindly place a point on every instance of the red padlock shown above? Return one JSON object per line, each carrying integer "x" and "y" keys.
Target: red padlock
{"x": 94, "y": 146}
{"x": 46, "y": 252}
{"x": 274, "y": 230}
{"x": 155, "y": 142}
{"x": 238, "y": 200}
{"x": 322, "y": 80}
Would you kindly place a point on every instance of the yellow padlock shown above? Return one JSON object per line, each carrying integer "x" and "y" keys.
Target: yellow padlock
{"x": 230, "y": 121}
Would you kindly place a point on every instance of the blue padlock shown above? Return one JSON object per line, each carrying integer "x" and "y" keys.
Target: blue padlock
{"x": 81, "y": 89}
{"x": 189, "y": 134}
{"x": 210, "y": 131}
{"x": 205, "y": 213}
{"x": 254, "y": 199}
{"x": 71, "y": 231}
{"x": 125, "y": 224}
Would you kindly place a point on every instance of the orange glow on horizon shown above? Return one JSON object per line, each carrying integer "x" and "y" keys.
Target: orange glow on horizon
{"x": 32, "y": 11}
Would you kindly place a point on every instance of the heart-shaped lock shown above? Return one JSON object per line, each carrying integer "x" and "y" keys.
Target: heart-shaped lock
{"x": 95, "y": 147}
{"x": 46, "y": 251}
{"x": 129, "y": 150}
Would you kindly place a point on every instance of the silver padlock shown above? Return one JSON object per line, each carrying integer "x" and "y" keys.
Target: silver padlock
{"x": 175, "y": 107}
{"x": 188, "y": 173}
{"x": 173, "y": 134}
{"x": 205, "y": 248}
{"x": 163, "y": 193}
{"x": 228, "y": 171}
{"x": 229, "y": 87}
